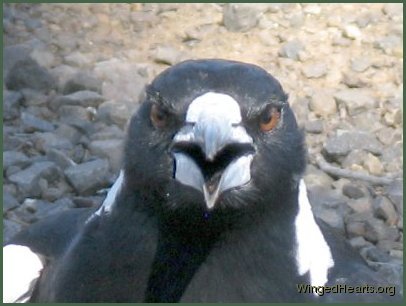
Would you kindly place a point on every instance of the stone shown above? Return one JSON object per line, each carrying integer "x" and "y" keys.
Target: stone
{"x": 362, "y": 205}
{"x": 75, "y": 116}
{"x": 393, "y": 9}
{"x": 388, "y": 245}
{"x": 360, "y": 64}
{"x": 28, "y": 180}
{"x": 84, "y": 202}
{"x": 241, "y": 17}
{"x": 355, "y": 229}
{"x": 373, "y": 164}
{"x": 28, "y": 74}
{"x": 332, "y": 218}
{"x": 33, "y": 97}
{"x": 69, "y": 132}
{"x": 115, "y": 112}
{"x": 351, "y": 31}
{"x": 315, "y": 70}
{"x": 111, "y": 149}
{"x": 13, "y": 54}
{"x": 122, "y": 80}
{"x": 44, "y": 57}
{"x": 315, "y": 177}
{"x": 87, "y": 177}
{"x": 346, "y": 141}
{"x": 323, "y": 104}
{"x": 9, "y": 202}
{"x": 395, "y": 193}
{"x": 31, "y": 124}
{"x": 355, "y": 100}
{"x": 377, "y": 230}
{"x": 385, "y": 210}
{"x": 375, "y": 254}
{"x": 83, "y": 98}
{"x": 354, "y": 157}
{"x": 388, "y": 43}
{"x": 291, "y": 50}
{"x": 60, "y": 159}
{"x": 353, "y": 191}
{"x": 314, "y": 126}
{"x": 12, "y": 101}
{"x": 78, "y": 59}
{"x": 10, "y": 229}
{"x": 15, "y": 158}
{"x": 393, "y": 117}
{"x": 82, "y": 81}
{"x": 47, "y": 140}
{"x": 359, "y": 242}
{"x": 167, "y": 55}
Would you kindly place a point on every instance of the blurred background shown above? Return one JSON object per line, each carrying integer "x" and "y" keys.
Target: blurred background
{"x": 74, "y": 73}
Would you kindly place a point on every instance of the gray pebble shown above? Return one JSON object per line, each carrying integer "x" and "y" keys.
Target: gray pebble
{"x": 86, "y": 178}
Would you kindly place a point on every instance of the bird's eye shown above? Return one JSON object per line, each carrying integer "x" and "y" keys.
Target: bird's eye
{"x": 269, "y": 118}
{"x": 158, "y": 116}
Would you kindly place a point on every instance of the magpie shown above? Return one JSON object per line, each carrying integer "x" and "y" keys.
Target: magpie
{"x": 210, "y": 206}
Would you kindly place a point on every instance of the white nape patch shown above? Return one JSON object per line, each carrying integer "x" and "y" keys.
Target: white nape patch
{"x": 21, "y": 267}
{"x": 225, "y": 106}
{"x": 313, "y": 254}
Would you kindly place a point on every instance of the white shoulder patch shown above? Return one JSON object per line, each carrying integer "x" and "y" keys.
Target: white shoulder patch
{"x": 110, "y": 199}
{"x": 313, "y": 254}
{"x": 21, "y": 268}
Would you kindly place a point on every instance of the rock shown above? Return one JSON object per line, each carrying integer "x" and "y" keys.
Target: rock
{"x": 373, "y": 164}
{"x": 13, "y": 54}
{"x": 314, "y": 177}
{"x": 14, "y": 158}
{"x": 346, "y": 141}
{"x": 315, "y": 71}
{"x": 122, "y": 80}
{"x": 83, "y": 98}
{"x": 375, "y": 254}
{"x": 393, "y": 117}
{"x": 388, "y": 44}
{"x": 28, "y": 74}
{"x": 384, "y": 209}
{"x": 43, "y": 142}
{"x": 332, "y": 218}
{"x": 359, "y": 242}
{"x": 167, "y": 55}
{"x": 110, "y": 149}
{"x": 82, "y": 82}
{"x": 362, "y": 205}
{"x": 86, "y": 178}
{"x": 92, "y": 201}
{"x": 60, "y": 159}
{"x": 395, "y": 193}
{"x": 28, "y": 180}
{"x": 115, "y": 112}
{"x": 352, "y": 80}
{"x": 393, "y": 9}
{"x": 33, "y": 97}
{"x": 291, "y": 50}
{"x": 34, "y": 209}
{"x": 10, "y": 229}
{"x": 392, "y": 157}
{"x": 376, "y": 230}
{"x": 241, "y": 17}
{"x": 63, "y": 73}
{"x": 354, "y": 158}
{"x": 12, "y": 101}
{"x": 351, "y": 31}
{"x": 360, "y": 64}
{"x": 78, "y": 59}
{"x": 69, "y": 132}
{"x": 107, "y": 132}
{"x": 31, "y": 124}
{"x": 9, "y": 201}
{"x": 355, "y": 100}
{"x": 44, "y": 57}
{"x": 75, "y": 115}
{"x": 323, "y": 104}
{"x": 388, "y": 245}
{"x": 314, "y": 126}
{"x": 355, "y": 229}
{"x": 353, "y": 191}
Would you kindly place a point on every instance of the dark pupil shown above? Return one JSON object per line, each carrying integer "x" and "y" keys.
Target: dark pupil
{"x": 266, "y": 115}
{"x": 160, "y": 115}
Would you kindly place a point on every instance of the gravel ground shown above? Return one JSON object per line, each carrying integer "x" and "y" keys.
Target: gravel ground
{"x": 73, "y": 73}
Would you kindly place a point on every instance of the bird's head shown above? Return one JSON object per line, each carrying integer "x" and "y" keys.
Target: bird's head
{"x": 213, "y": 135}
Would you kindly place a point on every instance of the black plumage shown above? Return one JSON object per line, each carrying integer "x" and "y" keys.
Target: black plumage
{"x": 163, "y": 239}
